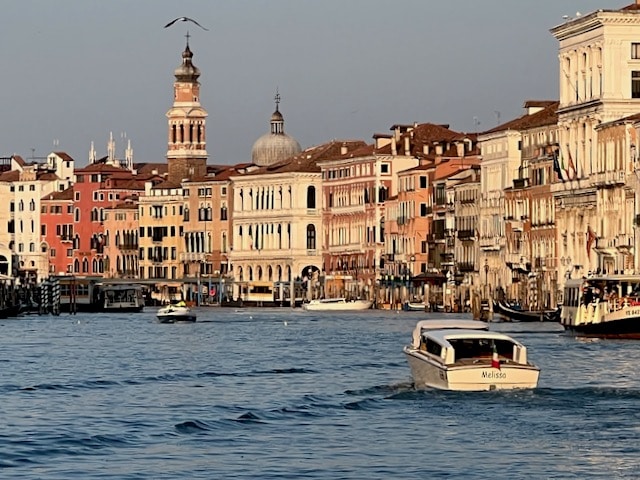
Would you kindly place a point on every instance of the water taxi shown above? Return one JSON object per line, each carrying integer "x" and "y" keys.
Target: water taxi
{"x": 465, "y": 355}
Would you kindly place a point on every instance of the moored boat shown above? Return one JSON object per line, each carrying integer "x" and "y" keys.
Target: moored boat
{"x": 415, "y": 306}
{"x": 465, "y": 355}
{"x": 518, "y": 314}
{"x": 336, "y": 304}
{"x": 602, "y": 306}
{"x": 176, "y": 313}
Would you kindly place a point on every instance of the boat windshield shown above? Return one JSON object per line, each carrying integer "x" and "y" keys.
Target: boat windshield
{"x": 480, "y": 348}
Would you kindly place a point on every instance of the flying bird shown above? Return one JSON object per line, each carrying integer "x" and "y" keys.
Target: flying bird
{"x": 184, "y": 19}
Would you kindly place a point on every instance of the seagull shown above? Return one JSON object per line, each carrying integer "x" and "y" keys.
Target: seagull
{"x": 184, "y": 19}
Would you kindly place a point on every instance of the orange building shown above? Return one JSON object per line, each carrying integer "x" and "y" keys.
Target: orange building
{"x": 58, "y": 230}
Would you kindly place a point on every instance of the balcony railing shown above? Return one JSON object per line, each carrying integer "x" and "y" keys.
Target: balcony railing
{"x": 608, "y": 178}
{"x": 466, "y": 234}
{"x": 466, "y": 266}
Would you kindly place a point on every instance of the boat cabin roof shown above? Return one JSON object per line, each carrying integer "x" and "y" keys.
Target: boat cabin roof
{"x": 445, "y": 336}
{"x": 445, "y": 325}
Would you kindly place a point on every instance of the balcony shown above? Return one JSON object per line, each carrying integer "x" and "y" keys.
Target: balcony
{"x": 623, "y": 240}
{"x": 128, "y": 246}
{"x": 466, "y": 234}
{"x": 402, "y": 220}
{"x": 489, "y": 243}
{"x": 466, "y": 267}
{"x": 604, "y": 179}
{"x": 516, "y": 225}
{"x": 193, "y": 256}
{"x": 540, "y": 263}
{"x": 437, "y": 237}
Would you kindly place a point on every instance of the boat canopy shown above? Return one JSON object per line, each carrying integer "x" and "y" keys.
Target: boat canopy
{"x": 425, "y": 325}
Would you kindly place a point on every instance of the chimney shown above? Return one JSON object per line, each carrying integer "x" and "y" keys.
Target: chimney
{"x": 344, "y": 149}
{"x": 394, "y": 146}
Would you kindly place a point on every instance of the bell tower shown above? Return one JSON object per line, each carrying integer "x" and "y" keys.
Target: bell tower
{"x": 187, "y": 151}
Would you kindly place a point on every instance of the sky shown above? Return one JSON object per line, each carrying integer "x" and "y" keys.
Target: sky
{"x": 75, "y": 71}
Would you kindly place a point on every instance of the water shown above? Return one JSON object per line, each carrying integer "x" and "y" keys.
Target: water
{"x": 281, "y": 394}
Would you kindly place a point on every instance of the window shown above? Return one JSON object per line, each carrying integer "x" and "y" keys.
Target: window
{"x": 423, "y": 181}
{"x": 223, "y": 213}
{"x": 423, "y": 209}
{"x": 635, "y": 51}
{"x": 384, "y": 168}
{"x": 635, "y": 84}
{"x": 311, "y": 237}
{"x": 311, "y": 196}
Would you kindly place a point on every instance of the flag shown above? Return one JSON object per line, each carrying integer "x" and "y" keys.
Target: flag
{"x": 558, "y": 165}
{"x": 572, "y": 167}
{"x": 591, "y": 237}
{"x": 495, "y": 361}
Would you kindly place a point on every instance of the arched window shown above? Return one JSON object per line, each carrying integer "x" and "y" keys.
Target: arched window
{"x": 311, "y": 237}
{"x": 76, "y": 266}
{"x": 85, "y": 266}
{"x": 311, "y": 196}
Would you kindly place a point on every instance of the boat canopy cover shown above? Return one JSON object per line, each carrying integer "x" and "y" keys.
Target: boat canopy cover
{"x": 424, "y": 325}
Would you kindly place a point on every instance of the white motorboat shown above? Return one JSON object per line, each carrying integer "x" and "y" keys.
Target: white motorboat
{"x": 337, "y": 304}
{"x": 415, "y": 306}
{"x": 465, "y": 355}
{"x": 176, "y": 313}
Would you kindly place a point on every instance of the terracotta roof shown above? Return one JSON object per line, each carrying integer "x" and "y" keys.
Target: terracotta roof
{"x": 166, "y": 185}
{"x": 63, "y": 195}
{"x": 546, "y": 116}
{"x": 47, "y": 176}
{"x": 148, "y": 168}
{"x": 633, "y": 6}
{"x": 10, "y": 176}
{"x": 307, "y": 160}
{"x": 100, "y": 168}
{"x": 64, "y": 156}
{"x": 19, "y": 160}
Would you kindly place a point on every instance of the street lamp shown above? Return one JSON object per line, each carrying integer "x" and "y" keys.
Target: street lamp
{"x": 486, "y": 274}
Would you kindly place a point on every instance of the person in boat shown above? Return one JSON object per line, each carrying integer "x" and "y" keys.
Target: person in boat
{"x": 181, "y": 303}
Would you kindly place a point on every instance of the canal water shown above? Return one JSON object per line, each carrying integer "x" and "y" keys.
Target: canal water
{"x": 286, "y": 394}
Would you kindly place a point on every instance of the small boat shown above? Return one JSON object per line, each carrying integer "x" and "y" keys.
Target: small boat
{"x": 605, "y": 306}
{"x": 176, "y": 313}
{"x": 337, "y": 304}
{"x": 516, "y": 313}
{"x": 415, "y": 306}
{"x": 465, "y": 355}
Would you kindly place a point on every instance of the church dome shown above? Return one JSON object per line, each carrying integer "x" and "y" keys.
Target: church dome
{"x": 272, "y": 148}
{"x": 276, "y": 146}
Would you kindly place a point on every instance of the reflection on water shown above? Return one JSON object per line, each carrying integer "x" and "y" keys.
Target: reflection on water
{"x": 285, "y": 393}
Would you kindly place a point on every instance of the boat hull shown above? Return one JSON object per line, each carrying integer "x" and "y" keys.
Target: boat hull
{"x": 478, "y": 377}
{"x": 525, "y": 315}
{"x": 618, "y": 328}
{"x": 173, "y": 314}
{"x": 321, "y": 306}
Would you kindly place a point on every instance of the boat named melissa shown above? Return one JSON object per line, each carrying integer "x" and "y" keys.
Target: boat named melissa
{"x": 337, "y": 304}
{"x": 465, "y": 355}
{"x": 605, "y": 306}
